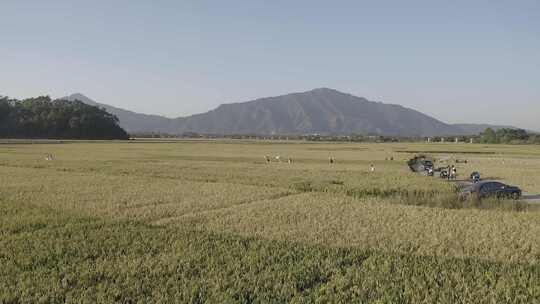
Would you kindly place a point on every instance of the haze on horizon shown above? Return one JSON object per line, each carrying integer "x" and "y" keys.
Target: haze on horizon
{"x": 458, "y": 61}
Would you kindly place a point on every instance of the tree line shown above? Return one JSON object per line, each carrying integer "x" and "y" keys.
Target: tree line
{"x": 42, "y": 117}
{"x": 509, "y": 136}
{"x": 501, "y": 136}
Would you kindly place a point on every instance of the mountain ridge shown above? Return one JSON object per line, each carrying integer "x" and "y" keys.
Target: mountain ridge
{"x": 320, "y": 111}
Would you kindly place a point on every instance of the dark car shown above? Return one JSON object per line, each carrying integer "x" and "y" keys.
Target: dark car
{"x": 486, "y": 189}
{"x": 420, "y": 164}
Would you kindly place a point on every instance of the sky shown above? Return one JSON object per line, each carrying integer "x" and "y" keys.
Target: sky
{"x": 468, "y": 61}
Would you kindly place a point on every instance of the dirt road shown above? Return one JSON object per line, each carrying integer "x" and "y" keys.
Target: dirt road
{"x": 531, "y": 198}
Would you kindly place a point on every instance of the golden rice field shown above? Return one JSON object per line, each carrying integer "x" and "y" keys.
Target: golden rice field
{"x": 196, "y": 221}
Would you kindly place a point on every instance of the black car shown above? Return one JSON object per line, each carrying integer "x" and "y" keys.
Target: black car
{"x": 486, "y": 189}
{"x": 420, "y": 164}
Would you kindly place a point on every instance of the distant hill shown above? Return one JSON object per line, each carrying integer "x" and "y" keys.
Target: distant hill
{"x": 130, "y": 121}
{"x": 319, "y": 111}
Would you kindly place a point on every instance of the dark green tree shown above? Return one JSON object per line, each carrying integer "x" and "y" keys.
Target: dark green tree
{"x": 489, "y": 136}
{"x": 41, "y": 117}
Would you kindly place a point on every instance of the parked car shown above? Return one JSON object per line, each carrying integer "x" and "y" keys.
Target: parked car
{"x": 484, "y": 189}
{"x": 420, "y": 164}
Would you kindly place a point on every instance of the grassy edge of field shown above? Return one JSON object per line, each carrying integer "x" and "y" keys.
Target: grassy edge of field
{"x": 49, "y": 256}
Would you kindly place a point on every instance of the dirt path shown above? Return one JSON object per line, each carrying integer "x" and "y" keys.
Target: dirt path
{"x": 531, "y": 198}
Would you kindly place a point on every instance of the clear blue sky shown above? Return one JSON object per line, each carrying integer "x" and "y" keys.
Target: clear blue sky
{"x": 460, "y": 61}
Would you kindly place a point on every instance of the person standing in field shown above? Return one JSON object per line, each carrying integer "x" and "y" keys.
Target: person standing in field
{"x": 289, "y": 160}
{"x": 372, "y": 168}
{"x": 267, "y": 158}
{"x": 331, "y": 159}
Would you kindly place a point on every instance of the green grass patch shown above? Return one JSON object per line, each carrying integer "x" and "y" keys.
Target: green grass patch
{"x": 51, "y": 257}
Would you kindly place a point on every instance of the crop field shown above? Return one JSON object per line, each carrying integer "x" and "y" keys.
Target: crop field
{"x": 200, "y": 221}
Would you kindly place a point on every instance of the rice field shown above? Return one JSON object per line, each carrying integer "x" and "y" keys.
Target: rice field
{"x": 196, "y": 221}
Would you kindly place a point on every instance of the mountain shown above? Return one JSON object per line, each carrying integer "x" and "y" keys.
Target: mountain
{"x": 132, "y": 122}
{"x": 319, "y": 111}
